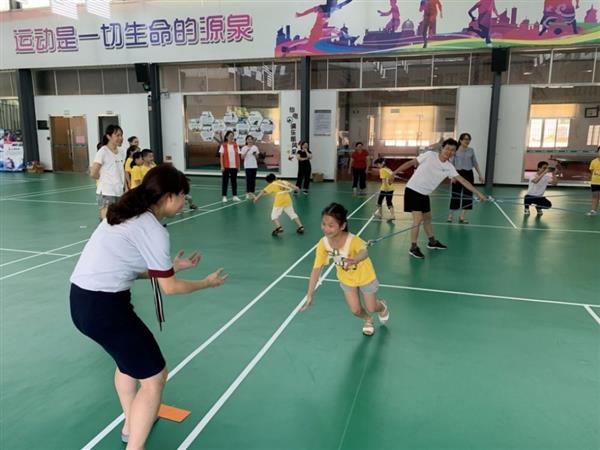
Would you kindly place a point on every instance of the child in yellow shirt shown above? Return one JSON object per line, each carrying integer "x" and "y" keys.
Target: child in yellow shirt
{"x": 136, "y": 173}
{"x": 149, "y": 163}
{"x": 595, "y": 169}
{"x": 354, "y": 268}
{"x": 387, "y": 188}
{"x": 281, "y": 203}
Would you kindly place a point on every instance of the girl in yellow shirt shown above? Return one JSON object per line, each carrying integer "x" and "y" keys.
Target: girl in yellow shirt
{"x": 595, "y": 169}
{"x": 353, "y": 267}
{"x": 137, "y": 170}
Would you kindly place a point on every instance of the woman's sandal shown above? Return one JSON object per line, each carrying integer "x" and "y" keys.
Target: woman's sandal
{"x": 465, "y": 221}
{"x": 124, "y": 438}
{"x": 368, "y": 328}
{"x": 277, "y": 231}
{"x": 384, "y": 315}
{"x": 300, "y": 230}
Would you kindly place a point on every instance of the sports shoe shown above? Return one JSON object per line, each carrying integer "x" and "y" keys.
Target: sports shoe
{"x": 377, "y": 214}
{"x": 236, "y": 198}
{"x": 250, "y": 196}
{"x": 436, "y": 245}
{"x": 224, "y": 200}
{"x": 540, "y": 212}
{"x": 526, "y": 212}
{"x": 384, "y": 315}
{"x": 592, "y": 212}
{"x": 416, "y": 252}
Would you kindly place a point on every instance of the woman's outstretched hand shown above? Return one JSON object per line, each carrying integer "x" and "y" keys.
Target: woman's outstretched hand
{"x": 216, "y": 278}
{"x": 180, "y": 263}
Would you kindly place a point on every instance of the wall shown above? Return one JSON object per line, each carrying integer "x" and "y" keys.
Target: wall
{"x": 132, "y": 110}
{"x": 512, "y": 133}
{"x": 472, "y": 116}
{"x": 324, "y": 147}
{"x": 173, "y": 129}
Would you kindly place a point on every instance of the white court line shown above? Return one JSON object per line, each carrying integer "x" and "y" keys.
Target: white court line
{"x": 592, "y": 313}
{"x": 48, "y": 201}
{"x": 468, "y": 294}
{"x": 505, "y": 215}
{"x": 240, "y": 378}
{"x": 49, "y": 252}
{"x": 38, "y": 266}
{"x": 50, "y": 191}
{"x": 15, "y": 250}
{"x": 207, "y": 342}
{"x": 204, "y": 212}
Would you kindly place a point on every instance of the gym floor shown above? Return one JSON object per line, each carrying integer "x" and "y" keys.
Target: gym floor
{"x": 492, "y": 344}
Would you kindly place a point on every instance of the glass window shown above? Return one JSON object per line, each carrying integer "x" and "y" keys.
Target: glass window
{"x": 67, "y": 82}
{"x": 169, "y": 78}
{"x": 6, "y": 85}
{"x": 344, "y": 74}
{"x": 529, "y": 67}
{"x": 318, "y": 74}
{"x": 379, "y": 72}
{"x": 451, "y": 70}
{"x": 134, "y": 86}
{"x": 597, "y": 70}
{"x": 284, "y": 74}
{"x": 208, "y": 117}
{"x": 44, "y": 82}
{"x": 414, "y": 72}
{"x": 254, "y": 76}
{"x": 193, "y": 79}
{"x": 572, "y": 66}
{"x": 593, "y": 135}
{"x": 221, "y": 78}
{"x": 90, "y": 81}
{"x": 115, "y": 80}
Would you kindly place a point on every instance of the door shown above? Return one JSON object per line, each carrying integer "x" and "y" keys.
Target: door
{"x": 68, "y": 137}
{"x": 103, "y": 122}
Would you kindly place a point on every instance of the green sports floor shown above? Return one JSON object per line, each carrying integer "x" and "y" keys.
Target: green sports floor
{"x": 492, "y": 344}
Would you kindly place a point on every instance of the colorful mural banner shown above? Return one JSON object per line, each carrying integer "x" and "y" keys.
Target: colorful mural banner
{"x": 219, "y": 30}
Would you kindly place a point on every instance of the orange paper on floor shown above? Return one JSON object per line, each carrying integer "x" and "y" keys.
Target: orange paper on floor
{"x": 172, "y": 413}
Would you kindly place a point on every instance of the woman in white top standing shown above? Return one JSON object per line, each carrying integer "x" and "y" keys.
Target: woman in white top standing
{"x": 109, "y": 169}
{"x": 130, "y": 244}
{"x": 250, "y": 156}
{"x": 229, "y": 156}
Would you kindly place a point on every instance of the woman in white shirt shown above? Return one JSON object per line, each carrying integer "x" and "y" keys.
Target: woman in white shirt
{"x": 132, "y": 243}
{"x": 250, "y": 155}
{"x": 109, "y": 169}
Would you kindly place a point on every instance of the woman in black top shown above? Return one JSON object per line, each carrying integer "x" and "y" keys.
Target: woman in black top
{"x": 304, "y": 155}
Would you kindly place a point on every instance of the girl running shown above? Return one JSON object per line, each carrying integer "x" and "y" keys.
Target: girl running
{"x": 353, "y": 267}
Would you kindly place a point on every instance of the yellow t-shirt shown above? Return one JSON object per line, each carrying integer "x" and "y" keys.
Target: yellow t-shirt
{"x": 595, "y": 169}
{"x": 128, "y": 165}
{"x": 146, "y": 169}
{"x": 361, "y": 274}
{"x": 387, "y": 179}
{"x": 137, "y": 175}
{"x": 280, "y": 190}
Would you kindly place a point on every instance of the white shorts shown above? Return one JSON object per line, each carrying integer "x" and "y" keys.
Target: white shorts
{"x": 289, "y": 210}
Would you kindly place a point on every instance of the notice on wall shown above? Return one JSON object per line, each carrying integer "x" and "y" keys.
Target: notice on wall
{"x": 322, "y": 122}
{"x": 11, "y": 151}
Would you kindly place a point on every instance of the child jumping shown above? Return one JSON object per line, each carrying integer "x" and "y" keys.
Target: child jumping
{"x": 537, "y": 186}
{"x": 281, "y": 203}
{"x": 387, "y": 188}
{"x": 353, "y": 267}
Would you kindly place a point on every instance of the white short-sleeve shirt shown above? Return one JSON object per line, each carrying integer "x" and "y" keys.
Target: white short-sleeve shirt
{"x": 430, "y": 173}
{"x": 538, "y": 189}
{"x": 112, "y": 171}
{"x": 115, "y": 255}
{"x": 249, "y": 153}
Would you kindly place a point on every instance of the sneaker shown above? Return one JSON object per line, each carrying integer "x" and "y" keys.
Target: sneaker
{"x": 354, "y": 191}
{"x": 305, "y": 192}
{"x": 384, "y": 315}
{"x": 224, "y": 200}
{"x": 236, "y": 198}
{"x": 526, "y": 212}
{"x": 377, "y": 214}
{"x": 436, "y": 245}
{"x": 592, "y": 212}
{"x": 540, "y": 212}
{"x": 250, "y": 196}
{"x": 416, "y": 252}
{"x": 193, "y": 205}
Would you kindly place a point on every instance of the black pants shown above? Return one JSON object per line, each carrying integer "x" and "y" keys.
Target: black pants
{"x": 304, "y": 169}
{"x": 461, "y": 197}
{"x": 388, "y": 195}
{"x": 539, "y": 202}
{"x": 359, "y": 178}
{"x": 251, "y": 180}
{"x": 227, "y": 174}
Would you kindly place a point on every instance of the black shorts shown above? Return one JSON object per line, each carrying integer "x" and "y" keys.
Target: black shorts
{"x": 414, "y": 201}
{"x": 595, "y": 187}
{"x": 108, "y": 319}
{"x": 388, "y": 196}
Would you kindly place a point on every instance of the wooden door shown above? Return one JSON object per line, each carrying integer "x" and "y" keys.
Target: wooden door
{"x": 62, "y": 160}
{"x": 79, "y": 143}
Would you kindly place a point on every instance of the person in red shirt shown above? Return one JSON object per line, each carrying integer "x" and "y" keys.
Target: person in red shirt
{"x": 359, "y": 162}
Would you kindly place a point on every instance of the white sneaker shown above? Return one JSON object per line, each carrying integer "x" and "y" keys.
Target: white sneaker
{"x": 250, "y": 196}
{"x": 377, "y": 215}
{"x": 526, "y": 212}
{"x": 592, "y": 212}
{"x": 236, "y": 198}
{"x": 224, "y": 200}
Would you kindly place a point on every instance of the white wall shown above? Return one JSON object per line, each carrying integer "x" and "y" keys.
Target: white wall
{"x": 288, "y": 100}
{"x": 173, "y": 129}
{"x": 324, "y": 148}
{"x": 472, "y": 116}
{"x": 512, "y": 133}
{"x": 132, "y": 110}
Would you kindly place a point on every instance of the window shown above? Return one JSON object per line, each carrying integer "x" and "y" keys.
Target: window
{"x": 379, "y": 72}
{"x": 344, "y": 74}
{"x": 549, "y": 133}
{"x": 529, "y": 67}
{"x": 572, "y": 66}
{"x": 284, "y": 74}
{"x": 67, "y": 82}
{"x": 452, "y": 70}
{"x": 414, "y": 72}
{"x": 44, "y": 82}
{"x": 90, "y": 81}
{"x": 115, "y": 80}
{"x": 593, "y": 137}
{"x": 318, "y": 74}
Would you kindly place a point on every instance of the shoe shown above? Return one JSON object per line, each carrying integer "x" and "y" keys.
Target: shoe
{"x": 193, "y": 206}
{"x": 250, "y": 196}
{"x": 416, "y": 252}
{"x": 224, "y": 200}
{"x": 368, "y": 328}
{"x": 124, "y": 438}
{"x": 236, "y": 198}
{"x": 377, "y": 214}
{"x": 354, "y": 191}
{"x": 436, "y": 245}
{"x": 300, "y": 230}
{"x": 305, "y": 192}
{"x": 277, "y": 231}
{"x": 463, "y": 221}
{"x": 526, "y": 212}
{"x": 384, "y": 315}
{"x": 540, "y": 212}
{"x": 592, "y": 212}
